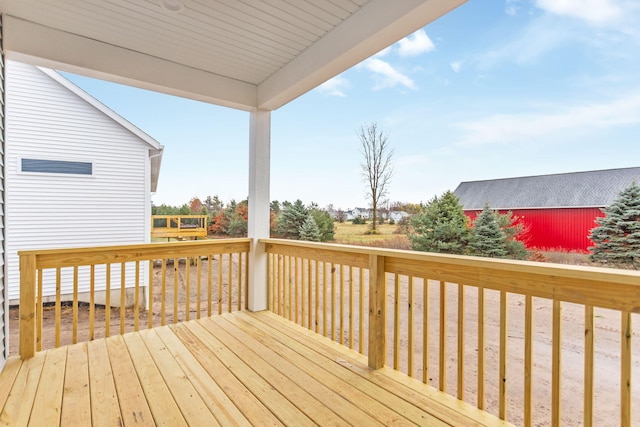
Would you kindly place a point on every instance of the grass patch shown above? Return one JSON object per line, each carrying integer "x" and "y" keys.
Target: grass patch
{"x": 360, "y": 234}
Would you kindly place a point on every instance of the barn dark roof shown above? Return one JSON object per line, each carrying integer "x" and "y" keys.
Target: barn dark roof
{"x": 577, "y": 189}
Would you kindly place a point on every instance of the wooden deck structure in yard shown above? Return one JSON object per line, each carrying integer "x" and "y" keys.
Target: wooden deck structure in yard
{"x": 178, "y": 226}
{"x": 235, "y": 369}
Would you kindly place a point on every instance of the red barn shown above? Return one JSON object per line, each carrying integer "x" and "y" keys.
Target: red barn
{"x": 559, "y": 210}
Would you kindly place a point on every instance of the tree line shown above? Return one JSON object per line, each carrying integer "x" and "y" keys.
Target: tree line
{"x": 289, "y": 220}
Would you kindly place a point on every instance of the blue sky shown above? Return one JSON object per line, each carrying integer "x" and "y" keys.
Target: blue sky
{"x": 494, "y": 89}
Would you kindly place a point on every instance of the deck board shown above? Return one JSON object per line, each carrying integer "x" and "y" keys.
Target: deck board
{"x": 76, "y": 410}
{"x": 236, "y": 369}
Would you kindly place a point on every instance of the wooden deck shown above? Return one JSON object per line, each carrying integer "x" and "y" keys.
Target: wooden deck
{"x": 235, "y": 369}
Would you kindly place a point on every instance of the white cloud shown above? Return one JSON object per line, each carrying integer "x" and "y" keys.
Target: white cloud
{"x": 415, "y": 44}
{"x": 334, "y": 86}
{"x": 511, "y": 7}
{"x": 514, "y": 128}
{"x": 456, "y": 66}
{"x": 597, "y": 12}
{"x": 386, "y": 75}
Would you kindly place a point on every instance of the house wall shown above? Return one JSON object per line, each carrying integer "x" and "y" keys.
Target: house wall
{"x": 4, "y": 315}
{"x": 564, "y": 229}
{"x": 48, "y": 210}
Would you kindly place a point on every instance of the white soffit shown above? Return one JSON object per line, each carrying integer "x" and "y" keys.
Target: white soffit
{"x": 244, "y": 54}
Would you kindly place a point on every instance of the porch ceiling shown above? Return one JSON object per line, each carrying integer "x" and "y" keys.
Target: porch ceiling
{"x": 243, "y": 54}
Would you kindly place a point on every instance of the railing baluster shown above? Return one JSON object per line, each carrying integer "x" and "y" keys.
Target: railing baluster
{"x": 556, "y": 360}
{"x": 528, "y": 361}
{"x": 210, "y": 282}
{"x": 123, "y": 277}
{"x": 74, "y": 303}
{"x": 443, "y": 338}
{"x": 246, "y": 280}
{"x": 625, "y": 369}
{"x": 230, "y": 285}
{"x": 198, "y": 285}
{"x": 460, "y": 386}
{"x": 286, "y": 288}
{"x": 588, "y": 365}
{"x": 136, "y": 300}
{"x": 341, "y": 311}
{"x": 481, "y": 347}
{"x": 332, "y": 276}
{"x": 39, "y": 310}
{"x": 425, "y": 330}
{"x": 163, "y": 293}
{"x": 220, "y": 257}
{"x": 317, "y": 286}
{"x": 296, "y": 276}
{"x": 502, "y": 398}
{"x": 150, "y": 296}
{"x": 58, "y": 306}
{"x": 325, "y": 311}
{"x": 239, "y": 283}
{"x": 396, "y": 321}
{"x": 176, "y": 287}
{"x": 307, "y": 264}
{"x": 351, "y": 308}
{"x": 361, "y": 311}
{"x": 410, "y": 328}
{"x": 187, "y": 290}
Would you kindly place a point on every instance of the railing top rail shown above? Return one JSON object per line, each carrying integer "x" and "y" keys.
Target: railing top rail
{"x": 603, "y": 287}
{"x": 69, "y": 257}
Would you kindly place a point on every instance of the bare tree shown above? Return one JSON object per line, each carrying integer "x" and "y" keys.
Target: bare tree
{"x": 376, "y": 167}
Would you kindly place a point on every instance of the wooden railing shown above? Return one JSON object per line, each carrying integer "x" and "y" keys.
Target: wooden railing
{"x": 68, "y": 295}
{"x": 178, "y": 226}
{"x": 491, "y": 332}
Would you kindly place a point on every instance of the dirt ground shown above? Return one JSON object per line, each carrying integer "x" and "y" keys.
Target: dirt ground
{"x": 607, "y": 336}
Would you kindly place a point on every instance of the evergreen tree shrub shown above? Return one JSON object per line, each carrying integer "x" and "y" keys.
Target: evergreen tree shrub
{"x": 487, "y": 237}
{"x": 616, "y": 236}
{"x": 309, "y": 230}
{"x": 440, "y": 227}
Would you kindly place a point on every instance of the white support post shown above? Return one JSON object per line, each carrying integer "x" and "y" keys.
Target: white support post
{"x": 259, "y": 204}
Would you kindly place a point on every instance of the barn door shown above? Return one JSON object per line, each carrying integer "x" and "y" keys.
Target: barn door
{"x": 4, "y": 315}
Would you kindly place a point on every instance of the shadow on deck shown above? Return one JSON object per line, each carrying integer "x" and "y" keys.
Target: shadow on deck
{"x": 235, "y": 369}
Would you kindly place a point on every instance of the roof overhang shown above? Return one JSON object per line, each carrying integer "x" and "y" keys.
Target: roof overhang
{"x": 269, "y": 53}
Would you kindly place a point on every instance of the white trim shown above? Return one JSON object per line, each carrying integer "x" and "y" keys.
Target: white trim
{"x": 36, "y": 44}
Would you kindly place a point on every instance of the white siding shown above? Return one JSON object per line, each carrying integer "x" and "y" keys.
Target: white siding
{"x": 4, "y": 315}
{"x": 47, "y": 121}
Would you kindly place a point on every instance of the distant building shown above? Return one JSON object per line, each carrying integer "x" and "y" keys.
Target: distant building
{"x": 559, "y": 209}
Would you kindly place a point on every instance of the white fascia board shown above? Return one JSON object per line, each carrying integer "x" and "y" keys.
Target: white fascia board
{"x": 377, "y": 25}
{"x": 36, "y": 44}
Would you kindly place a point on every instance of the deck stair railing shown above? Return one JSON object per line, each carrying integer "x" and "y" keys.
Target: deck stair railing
{"x": 494, "y": 333}
{"x": 150, "y": 284}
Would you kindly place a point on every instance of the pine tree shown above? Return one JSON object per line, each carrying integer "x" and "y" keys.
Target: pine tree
{"x": 514, "y": 231}
{"x": 617, "y": 234}
{"x": 440, "y": 227}
{"x": 291, "y": 218}
{"x": 487, "y": 237}
{"x": 324, "y": 221}
{"x": 309, "y": 230}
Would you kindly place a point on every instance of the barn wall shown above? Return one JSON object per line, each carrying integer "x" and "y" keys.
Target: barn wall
{"x": 50, "y": 210}
{"x": 556, "y": 229}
